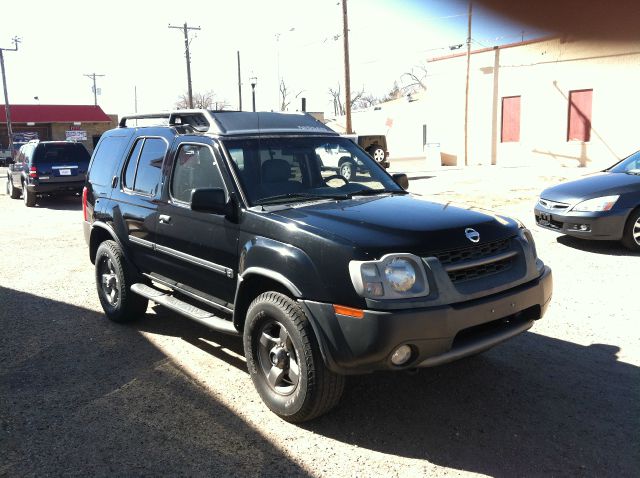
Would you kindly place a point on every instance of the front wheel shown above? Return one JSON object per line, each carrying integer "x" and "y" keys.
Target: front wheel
{"x": 631, "y": 234}
{"x": 347, "y": 170}
{"x": 284, "y": 360}
{"x": 114, "y": 285}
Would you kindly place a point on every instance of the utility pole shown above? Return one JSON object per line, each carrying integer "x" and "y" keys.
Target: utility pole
{"x": 239, "y": 84}
{"x": 347, "y": 77}
{"x": 95, "y": 90}
{"x": 185, "y": 29}
{"x": 7, "y": 106}
{"x": 466, "y": 94}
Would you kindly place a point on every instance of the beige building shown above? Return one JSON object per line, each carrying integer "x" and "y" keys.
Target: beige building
{"x": 572, "y": 102}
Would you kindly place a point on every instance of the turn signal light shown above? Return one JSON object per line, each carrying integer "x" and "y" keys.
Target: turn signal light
{"x": 348, "y": 311}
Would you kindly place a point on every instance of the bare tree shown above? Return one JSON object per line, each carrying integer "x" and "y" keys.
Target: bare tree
{"x": 357, "y": 99}
{"x": 393, "y": 94}
{"x": 206, "y": 100}
{"x": 286, "y": 96}
{"x": 415, "y": 79}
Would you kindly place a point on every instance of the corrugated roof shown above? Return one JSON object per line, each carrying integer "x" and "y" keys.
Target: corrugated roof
{"x": 54, "y": 114}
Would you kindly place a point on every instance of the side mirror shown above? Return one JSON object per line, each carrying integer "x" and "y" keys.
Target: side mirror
{"x": 401, "y": 180}
{"x": 209, "y": 200}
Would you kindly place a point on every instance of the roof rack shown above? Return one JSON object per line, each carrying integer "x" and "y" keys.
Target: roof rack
{"x": 199, "y": 120}
{"x": 237, "y": 122}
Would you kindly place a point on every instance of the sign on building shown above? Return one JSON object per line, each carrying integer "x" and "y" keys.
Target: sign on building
{"x": 76, "y": 135}
{"x": 24, "y": 136}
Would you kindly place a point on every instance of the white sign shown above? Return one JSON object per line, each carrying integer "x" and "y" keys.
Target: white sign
{"x": 76, "y": 135}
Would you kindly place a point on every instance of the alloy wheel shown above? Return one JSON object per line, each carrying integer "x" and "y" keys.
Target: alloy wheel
{"x": 278, "y": 358}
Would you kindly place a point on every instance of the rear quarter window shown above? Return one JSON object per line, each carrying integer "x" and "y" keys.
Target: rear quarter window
{"x": 105, "y": 159}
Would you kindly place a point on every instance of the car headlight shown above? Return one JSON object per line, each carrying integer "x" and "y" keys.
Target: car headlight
{"x": 394, "y": 276}
{"x": 604, "y": 203}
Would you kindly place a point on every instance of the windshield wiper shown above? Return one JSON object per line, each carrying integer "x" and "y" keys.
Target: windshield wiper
{"x": 290, "y": 196}
{"x": 635, "y": 172}
{"x": 373, "y": 192}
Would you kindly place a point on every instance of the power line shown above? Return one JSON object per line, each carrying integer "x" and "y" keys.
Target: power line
{"x": 185, "y": 29}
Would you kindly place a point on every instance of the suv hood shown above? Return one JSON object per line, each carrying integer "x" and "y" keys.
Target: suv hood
{"x": 384, "y": 224}
{"x": 592, "y": 186}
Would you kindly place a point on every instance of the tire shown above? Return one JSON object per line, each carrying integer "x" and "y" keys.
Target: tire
{"x": 114, "y": 285}
{"x": 631, "y": 234}
{"x": 377, "y": 153}
{"x": 347, "y": 170}
{"x": 11, "y": 190}
{"x": 28, "y": 197}
{"x": 277, "y": 335}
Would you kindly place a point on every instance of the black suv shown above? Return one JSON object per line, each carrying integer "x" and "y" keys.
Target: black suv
{"x": 47, "y": 167}
{"x": 231, "y": 220}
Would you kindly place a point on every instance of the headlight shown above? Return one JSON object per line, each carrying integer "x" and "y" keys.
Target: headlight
{"x": 604, "y": 203}
{"x": 394, "y": 276}
{"x": 400, "y": 274}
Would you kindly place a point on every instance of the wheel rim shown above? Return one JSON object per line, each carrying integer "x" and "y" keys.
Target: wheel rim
{"x": 278, "y": 358}
{"x": 635, "y": 232}
{"x": 109, "y": 283}
{"x": 345, "y": 170}
{"x": 378, "y": 155}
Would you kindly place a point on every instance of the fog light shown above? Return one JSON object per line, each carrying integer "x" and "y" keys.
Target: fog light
{"x": 401, "y": 355}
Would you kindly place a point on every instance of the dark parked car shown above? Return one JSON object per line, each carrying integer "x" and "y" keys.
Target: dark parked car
{"x": 604, "y": 205}
{"x": 47, "y": 167}
{"x": 229, "y": 219}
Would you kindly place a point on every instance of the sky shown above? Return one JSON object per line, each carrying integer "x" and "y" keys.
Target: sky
{"x": 297, "y": 41}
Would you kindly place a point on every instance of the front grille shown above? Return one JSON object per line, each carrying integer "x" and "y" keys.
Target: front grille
{"x": 476, "y": 261}
{"x": 554, "y": 206}
{"x": 474, "y": 252}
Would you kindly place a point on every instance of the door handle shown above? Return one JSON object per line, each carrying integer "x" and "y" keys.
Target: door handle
{"x": 164, "y": 219}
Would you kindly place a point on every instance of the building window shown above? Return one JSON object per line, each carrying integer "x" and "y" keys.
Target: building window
{"x": 579, "y": 128}
{"x": 510, "y": 119}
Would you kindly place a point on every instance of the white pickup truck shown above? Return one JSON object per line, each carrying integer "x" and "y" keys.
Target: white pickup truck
{"x": 5, "y": 154}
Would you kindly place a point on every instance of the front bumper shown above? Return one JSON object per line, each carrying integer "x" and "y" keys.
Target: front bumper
{"x": 607, "y": 225}
{"x": 436, "y": 335}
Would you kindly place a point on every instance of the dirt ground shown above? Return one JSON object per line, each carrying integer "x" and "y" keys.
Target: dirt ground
{"x": 164, "y": 396}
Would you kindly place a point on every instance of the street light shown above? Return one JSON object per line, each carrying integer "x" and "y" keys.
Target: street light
{"x": 254, "y": 81}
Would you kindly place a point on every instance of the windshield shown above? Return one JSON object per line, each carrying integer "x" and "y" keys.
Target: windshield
{"x": 629, "y": 164}
{"x": 286, "y": 169}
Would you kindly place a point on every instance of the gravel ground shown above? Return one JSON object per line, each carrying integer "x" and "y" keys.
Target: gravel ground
{"x": 82, "y": 396}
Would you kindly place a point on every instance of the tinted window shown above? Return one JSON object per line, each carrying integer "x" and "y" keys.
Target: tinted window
{"x": 105, "y": 158}
{"x": 195, "y": 168}
{"x": 130, "y": 173}
{"x": 58, "y": 153}
{"x": 149, "y": 169}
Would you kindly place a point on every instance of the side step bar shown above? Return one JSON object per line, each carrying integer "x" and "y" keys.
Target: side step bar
{"x": 190, "y": 311}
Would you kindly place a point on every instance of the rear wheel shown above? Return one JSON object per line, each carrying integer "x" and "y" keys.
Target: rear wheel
{"x": 12, "y": 191}
{"x": 114, "y": 285}
{"x": 29, "y": 197}
{"x": 284, "y": 360}
{"x": 631, "y": 235}
{"x": 347, "y": 170}
{"x": 377, "y": 153}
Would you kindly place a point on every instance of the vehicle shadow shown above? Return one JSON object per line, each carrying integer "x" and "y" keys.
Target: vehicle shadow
{"x": 610, "y": 248}
{"x": 85, "y": 397}
{"x": 533, "y": 406}
{"x": 60, "y": 203}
